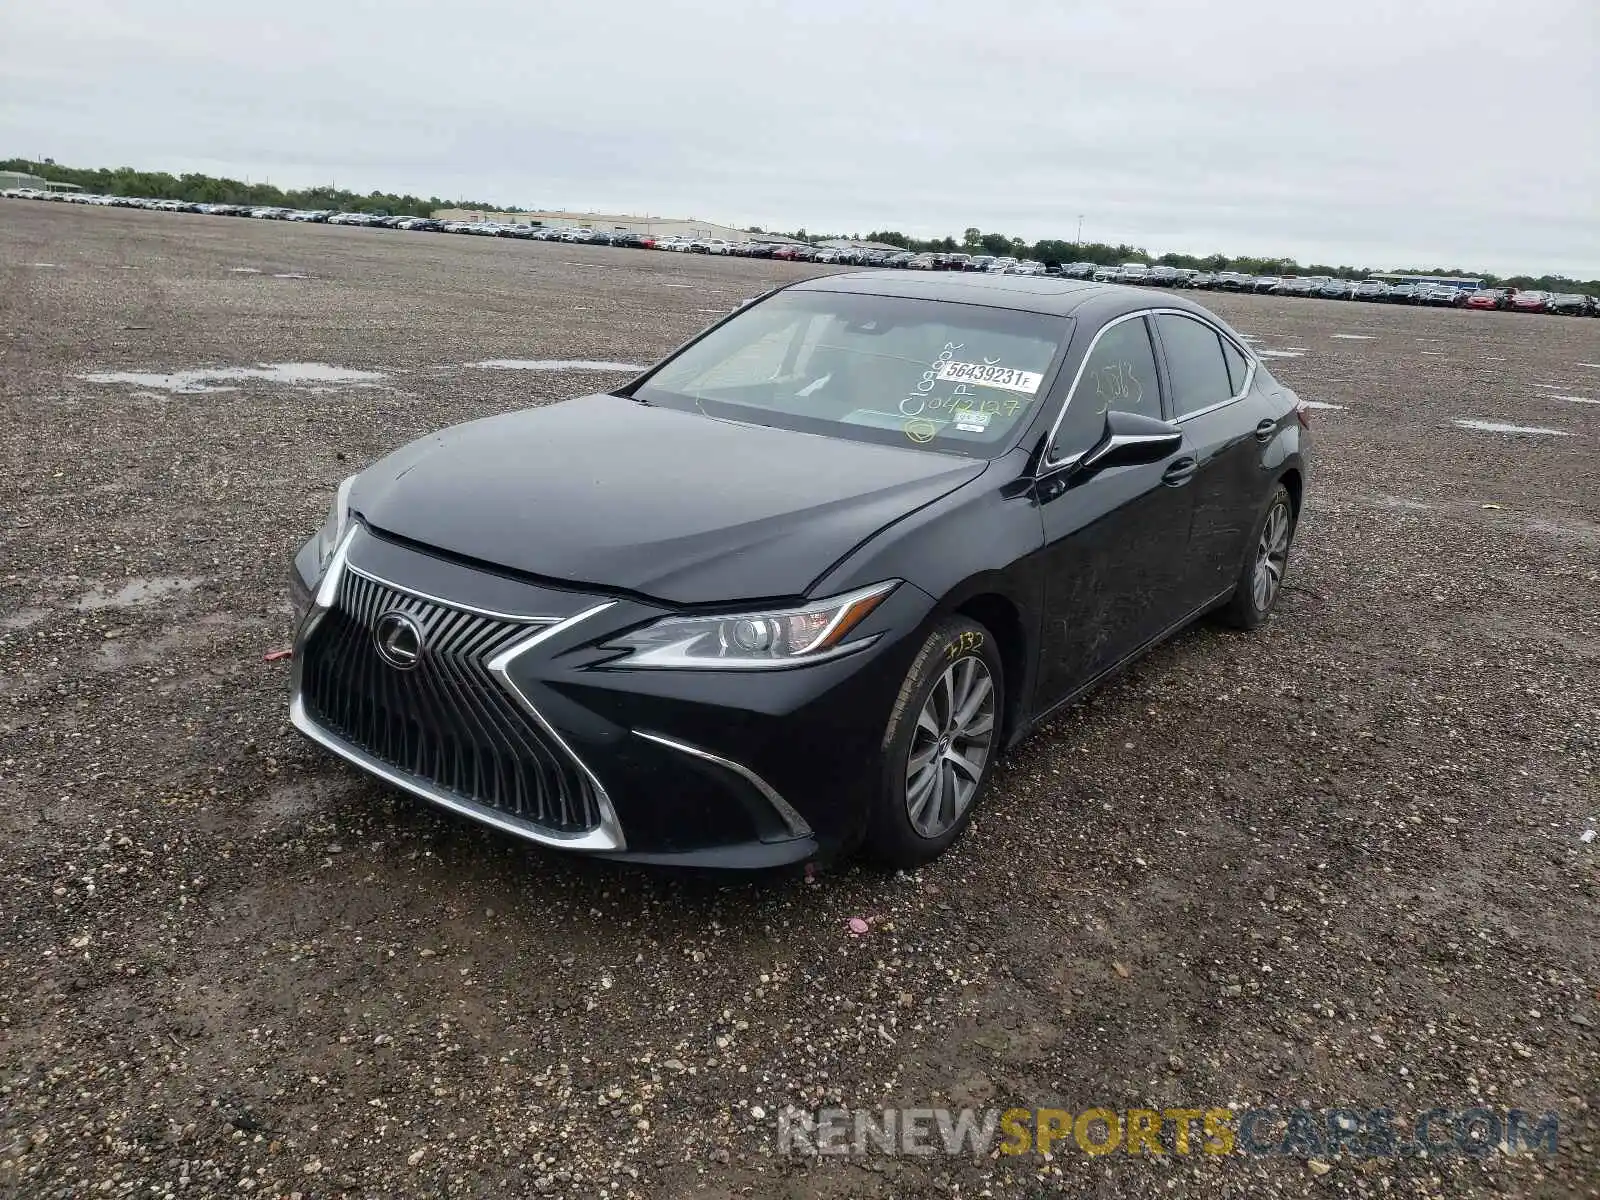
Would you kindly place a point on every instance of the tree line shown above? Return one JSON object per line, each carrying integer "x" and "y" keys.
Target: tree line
{"x": 208, "y": 189}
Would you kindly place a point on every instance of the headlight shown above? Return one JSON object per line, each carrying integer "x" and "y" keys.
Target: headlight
{"x": 333, "y": 529}
{"x": 777, "y": 638}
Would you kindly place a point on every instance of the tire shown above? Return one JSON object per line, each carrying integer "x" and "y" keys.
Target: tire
{"x": 1246, "y": 610}
{"x": 907, "y": 827}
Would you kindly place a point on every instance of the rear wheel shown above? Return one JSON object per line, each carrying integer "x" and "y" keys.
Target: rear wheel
{"x": 940, "y": 745}
{"x": 1261, "y": 575}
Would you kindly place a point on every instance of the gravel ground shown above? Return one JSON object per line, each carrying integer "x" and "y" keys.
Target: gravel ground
{"x": 1340, "y": 861}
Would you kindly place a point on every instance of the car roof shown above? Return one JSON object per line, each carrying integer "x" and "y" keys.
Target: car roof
{"x": 1052, "y": 295}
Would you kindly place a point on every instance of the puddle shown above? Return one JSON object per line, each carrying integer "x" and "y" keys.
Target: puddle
{"x": 1498, "y": 427}
{"x": 291, "y": 275}
{"x": 678, "y": 285}
{"x": 1549, "y": 387}
{"x": 118, "y": 652}
{"x": 22, "y": 618}
{"x": 1354, "y": 337}
{"x": 1595, "y": 365}
{"x": 553, "y": 364}
{"x": 244, "y": 271}
{"x": 136, "y": 592}
{"x": 1278, "y": 353}
{"x": 1585, "y": 532}
{"x": 206, "y": 379}
{"x": 48, "y": 266}
{"x": 1576, "y": 399}
{"x": 1323, "y": 404}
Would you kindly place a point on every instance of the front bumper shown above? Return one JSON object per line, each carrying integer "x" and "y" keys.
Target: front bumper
{"x": 703, "y": 768}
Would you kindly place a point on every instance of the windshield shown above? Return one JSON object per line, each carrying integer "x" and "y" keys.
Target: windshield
{"x": 957, "y": 378}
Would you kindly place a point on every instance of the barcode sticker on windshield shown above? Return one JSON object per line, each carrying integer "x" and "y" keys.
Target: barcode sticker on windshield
{"x": 984, "y": 375}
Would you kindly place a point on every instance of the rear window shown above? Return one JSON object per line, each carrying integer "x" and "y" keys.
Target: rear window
{"x": 1196, "y": 369}
{"x": 1238, "y": 366}
{"x": 922, "y": 373}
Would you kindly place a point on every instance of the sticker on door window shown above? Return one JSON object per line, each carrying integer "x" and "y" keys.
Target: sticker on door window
{"x": 1012, "y": 379}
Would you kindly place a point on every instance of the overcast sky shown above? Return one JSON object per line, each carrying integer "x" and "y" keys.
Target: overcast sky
{"x": 1375, "y": 132}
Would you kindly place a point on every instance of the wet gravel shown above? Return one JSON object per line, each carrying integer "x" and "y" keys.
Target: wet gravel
{"x": 1336, "y": 862}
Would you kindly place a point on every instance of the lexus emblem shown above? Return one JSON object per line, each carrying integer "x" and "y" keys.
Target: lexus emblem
{"x": 398, "y": 639}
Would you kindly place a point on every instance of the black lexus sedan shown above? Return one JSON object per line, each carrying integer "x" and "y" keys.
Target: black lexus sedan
{"x": 796, "y": 587}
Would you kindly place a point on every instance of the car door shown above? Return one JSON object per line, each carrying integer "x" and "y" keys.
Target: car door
{"x": 1209, "y": 388}
{"x": 1115, "y": 539}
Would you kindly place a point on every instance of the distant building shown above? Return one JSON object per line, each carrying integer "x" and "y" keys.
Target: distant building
{"x": 611, "y": 222}
{"x": 17, "y": 179}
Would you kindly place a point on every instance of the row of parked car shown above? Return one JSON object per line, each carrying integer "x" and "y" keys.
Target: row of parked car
{"x": 1135, "y": 273}
{"x": 1443, "y": 295}
{"x": 1328, "y": 287}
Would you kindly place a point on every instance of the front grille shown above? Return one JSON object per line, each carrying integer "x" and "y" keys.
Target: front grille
{"x": 447, "y": 722}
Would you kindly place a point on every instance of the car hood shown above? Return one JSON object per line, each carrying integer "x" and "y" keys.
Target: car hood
{"x": 607, "y": 493}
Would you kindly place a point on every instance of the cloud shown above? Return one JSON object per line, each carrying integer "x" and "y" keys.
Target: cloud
{"x": 1449, "y": 132}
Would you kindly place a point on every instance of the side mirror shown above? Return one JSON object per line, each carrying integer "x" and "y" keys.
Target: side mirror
{"x": 1132, "y": 440}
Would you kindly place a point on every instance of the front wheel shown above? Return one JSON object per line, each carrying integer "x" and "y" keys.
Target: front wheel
{"x": 1261, "y": 575}
{"x": 940, "y": 745}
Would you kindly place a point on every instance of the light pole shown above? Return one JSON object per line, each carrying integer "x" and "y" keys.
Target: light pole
{"x": 1078, "y": 245}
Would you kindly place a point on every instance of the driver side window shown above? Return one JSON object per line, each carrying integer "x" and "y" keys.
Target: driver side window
{"x": 1119, "y": 375}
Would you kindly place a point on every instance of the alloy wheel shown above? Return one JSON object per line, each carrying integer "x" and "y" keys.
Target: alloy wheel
{"x": 1272, "y": 556}
{"x": 950, "y": 746}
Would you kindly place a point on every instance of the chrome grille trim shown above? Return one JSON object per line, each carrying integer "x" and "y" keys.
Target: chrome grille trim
{"x": 495, "y": 758}
{"x": 792, "y": 820}
{"x": 482, "y": 612}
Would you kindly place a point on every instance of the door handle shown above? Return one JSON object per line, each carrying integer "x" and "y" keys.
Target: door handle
{"x": 1180, "y": 472}
{"x": 1265, "y": 429}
